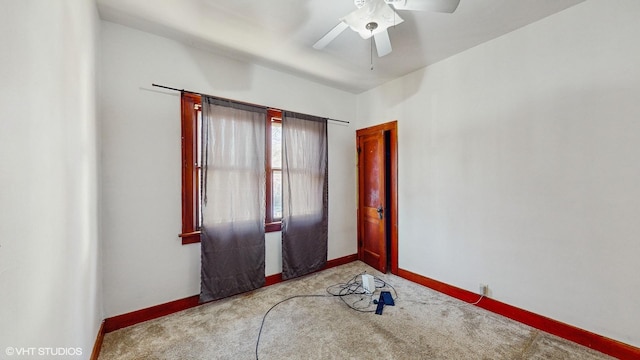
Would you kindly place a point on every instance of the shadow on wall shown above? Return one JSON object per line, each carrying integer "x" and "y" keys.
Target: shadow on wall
{"x": 230, "y": 69}
{"x": 397, "y": 92}
{"x": 220, "y": 67}
{"x": 220, "y": 72}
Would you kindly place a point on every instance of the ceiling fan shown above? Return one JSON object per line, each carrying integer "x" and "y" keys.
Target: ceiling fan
{"x": 374, "y": 17}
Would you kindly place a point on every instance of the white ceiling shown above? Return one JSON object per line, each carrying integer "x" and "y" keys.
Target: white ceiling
{"x": 280, "y": 33}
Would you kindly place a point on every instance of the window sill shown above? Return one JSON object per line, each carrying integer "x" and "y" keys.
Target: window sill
{"x": 194, "y": 237}
{"x": 273, "y": 227}
{"x": 190, "y": 238}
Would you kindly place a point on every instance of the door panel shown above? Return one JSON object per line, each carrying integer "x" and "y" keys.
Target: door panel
{"x": 371, "y": 251}
{"x": 371, "y": 179}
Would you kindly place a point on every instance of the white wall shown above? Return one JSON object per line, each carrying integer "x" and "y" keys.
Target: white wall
{"x": 518, "y": 167}
{"x": 144, "y": 261}
{"x": 49, "y": 251}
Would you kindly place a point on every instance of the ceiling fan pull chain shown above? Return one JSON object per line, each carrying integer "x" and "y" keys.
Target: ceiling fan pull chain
{"x": 371, "y": 26}
{"x": 371, "y": 48}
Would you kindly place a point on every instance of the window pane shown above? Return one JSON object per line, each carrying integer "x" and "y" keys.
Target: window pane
{"x": 276, "y": 201}
{"x": 198, "y": 141}
{"x": 276, "y": 145}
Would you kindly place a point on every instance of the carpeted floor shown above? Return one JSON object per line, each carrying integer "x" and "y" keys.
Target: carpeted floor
{"x": 423, "y": 324}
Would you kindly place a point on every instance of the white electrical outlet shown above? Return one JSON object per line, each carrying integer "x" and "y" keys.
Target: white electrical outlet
{"x": 484, "y": 289}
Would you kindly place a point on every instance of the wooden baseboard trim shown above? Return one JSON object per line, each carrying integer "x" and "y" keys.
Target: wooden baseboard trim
{"x": 98, "y": 344}
{"x": 150, "y": 313}
{"x": 340, "y": 261}
{"x": 277, "y": 278}
{"x": 273, "y": 279}
{"x": 594, "y": 341}
{"x": 153, "y": 312}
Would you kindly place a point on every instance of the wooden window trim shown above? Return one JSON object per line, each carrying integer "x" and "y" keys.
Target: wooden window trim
{"x": 271, "y": 225}
{"x": 190, "y": 182}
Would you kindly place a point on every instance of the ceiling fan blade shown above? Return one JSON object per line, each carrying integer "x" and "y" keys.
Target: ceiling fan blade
{"x": 332, "y": 34}
{"x": 446, "y": 6}
{"x": 383, "y": 43}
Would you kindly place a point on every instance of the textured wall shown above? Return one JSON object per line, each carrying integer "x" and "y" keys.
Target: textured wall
{"x": 145, "y": 263}
{"x": 49, "y": 252}
{"x": 518, "y": 164}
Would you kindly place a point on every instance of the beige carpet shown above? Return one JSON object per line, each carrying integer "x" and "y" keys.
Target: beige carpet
{"x": 423, "y": 324}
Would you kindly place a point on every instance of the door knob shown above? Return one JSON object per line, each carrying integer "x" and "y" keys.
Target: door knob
{"x": 380, "y": 210}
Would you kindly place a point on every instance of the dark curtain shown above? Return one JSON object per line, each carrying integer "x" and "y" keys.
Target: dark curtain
{"x": 233, "y": 204}
{"x": 305, "y": 194}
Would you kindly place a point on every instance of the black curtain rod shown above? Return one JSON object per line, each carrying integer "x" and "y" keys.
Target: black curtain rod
{"x": 240, "y": 102}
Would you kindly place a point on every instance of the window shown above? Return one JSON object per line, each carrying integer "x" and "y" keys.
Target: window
{"x": 274, "y": 170}
{"x": 191, "y": 169}
{"x": 191, "y": 120}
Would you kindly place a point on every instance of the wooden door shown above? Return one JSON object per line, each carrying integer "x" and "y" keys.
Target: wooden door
{"x": 372, "y": 247}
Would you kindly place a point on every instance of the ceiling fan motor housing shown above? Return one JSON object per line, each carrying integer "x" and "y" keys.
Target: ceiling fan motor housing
{"x": 375, "y": 12}
{"x": 359, "y": 3}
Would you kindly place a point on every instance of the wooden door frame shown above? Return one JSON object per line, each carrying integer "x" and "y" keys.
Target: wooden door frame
{"x": 392, "y": 208}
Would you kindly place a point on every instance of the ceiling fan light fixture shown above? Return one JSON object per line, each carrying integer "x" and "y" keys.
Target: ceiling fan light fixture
{"x": 359, "y": 3}
{"x": 376, "y": 11}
